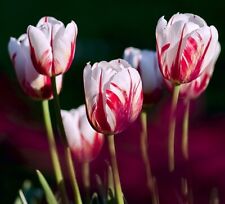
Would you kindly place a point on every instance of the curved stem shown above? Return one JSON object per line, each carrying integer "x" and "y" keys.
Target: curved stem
{"x": 68, "y": 156}
{"x": 112, "y": 151}
{"x": 86, "y": 180}
{"x": 144, "y": 151}
{"x": 72, "y": 174}
{"x": 53, "y": 151}
{"x": 185, "y": 130}
{"x": 172, "y": 127}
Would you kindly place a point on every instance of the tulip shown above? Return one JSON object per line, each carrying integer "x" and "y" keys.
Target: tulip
{"x": 185, "y": 47}
{"x": 146, "y": 62}
{"x": 113, "y": 93}
{"x": 52, "y": 45}
{"x": 33, "y": 84}
{"x": 83, "y": 140}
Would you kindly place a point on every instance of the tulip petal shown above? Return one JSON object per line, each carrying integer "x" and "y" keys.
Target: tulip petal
{"x": 70, "y": 123}
{"x": 41, "y": 53}
{"x": 84, "y": 141}
{"x": 17, "y": 57}
{"x": 48, "y": 19}
{"x": 64, "y": 47}
{"x": 149, "y": 70}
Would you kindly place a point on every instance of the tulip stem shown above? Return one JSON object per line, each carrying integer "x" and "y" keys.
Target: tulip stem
{"x": 72, "y": 174}
{"x": 68, "y": 155}
{"x": 185, "y": 130}
{"x": 86, "y": 180}
{"x": 144, "y": 151}
{"x": 112, "y": 151}
{"x": 53, "y": 151}
{"x": 57, "y": 110}
{"x": 172, "y": 127}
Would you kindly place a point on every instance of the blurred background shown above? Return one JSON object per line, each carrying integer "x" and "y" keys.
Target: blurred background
{"x": 105, "y": 29}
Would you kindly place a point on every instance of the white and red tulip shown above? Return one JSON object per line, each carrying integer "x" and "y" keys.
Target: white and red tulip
{"x": 52, "y": 45}
{"x": 145, "y": 61}
{"x": 83, "y": 140}
{"x": 33, "y": 84}
{"x": 113, "y": 93}
{"x": 185, "y": 47}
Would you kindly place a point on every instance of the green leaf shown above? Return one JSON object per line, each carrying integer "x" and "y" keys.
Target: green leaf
{"x": 48, "y": 192}
{"x": 110, "y": 180}
{"x": 95, "y": 199}
{"x": 110, "y": 197}
{"x": 22, "y": 197}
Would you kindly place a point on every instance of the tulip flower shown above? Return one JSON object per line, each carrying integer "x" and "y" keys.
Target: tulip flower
{"x": 33, "y": 84}
{"x": 83, "y": 140}
{"x": 52, "y": 45}
{"x": 145, "y": 61}
{"x": 113, "y": 93}
{"x": 185, "y": 47}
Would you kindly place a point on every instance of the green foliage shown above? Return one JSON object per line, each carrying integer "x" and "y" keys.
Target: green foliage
{"x": 48, "y": 192}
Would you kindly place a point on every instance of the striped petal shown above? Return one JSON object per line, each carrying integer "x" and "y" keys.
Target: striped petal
{"x": 40, "y": 48}
{"x": 64, "y": 48}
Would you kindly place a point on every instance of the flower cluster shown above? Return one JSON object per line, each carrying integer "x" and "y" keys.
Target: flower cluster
{"x": 186, "y": 53}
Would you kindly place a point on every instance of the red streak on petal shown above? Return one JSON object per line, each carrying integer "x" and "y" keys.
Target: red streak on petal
{"x": 46, "y": 91}
{"x": 118, "y": 108}
{"x": 162, "y": 66}
{"x": 197, "y": 69}
{"x": 203, "y": 84}
{"x": 98, "y": 115}
{"x": 41, "y": 66}
{"x": 175, "y": 68}
{"x": 164, "y": 48}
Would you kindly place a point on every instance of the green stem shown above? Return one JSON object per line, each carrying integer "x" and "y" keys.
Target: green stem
{"x": 57, "y": 110}
{"x": 144, "y": 151}
{"x": 185, "y": 130}
{"x": 172, "y": 127}
{"x": 68, "y": 156}
{"x": 72, "y": 174}
{"x": 86, "y": 180}
{"x": 112, "y": 151}
{"x": 53, "y": 151}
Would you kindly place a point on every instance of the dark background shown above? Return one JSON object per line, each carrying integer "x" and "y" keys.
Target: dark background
{"x": 105, "y": 29}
